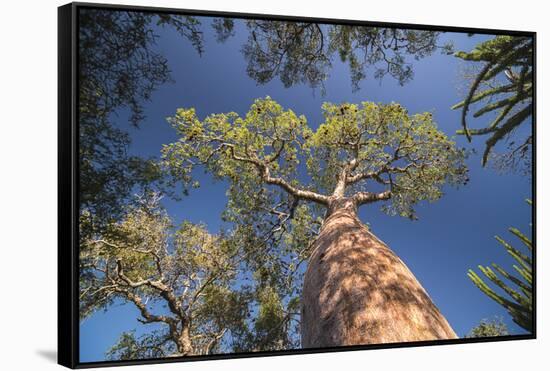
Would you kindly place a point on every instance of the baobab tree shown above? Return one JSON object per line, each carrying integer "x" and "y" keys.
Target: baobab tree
{"x": 356, "y": 290}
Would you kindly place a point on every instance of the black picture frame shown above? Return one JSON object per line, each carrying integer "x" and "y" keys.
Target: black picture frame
{"x": 68, "y": 184}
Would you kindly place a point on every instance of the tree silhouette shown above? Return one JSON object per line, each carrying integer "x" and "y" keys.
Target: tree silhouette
{"x": 118, "y": 69}
{"x": 300, "y": 52}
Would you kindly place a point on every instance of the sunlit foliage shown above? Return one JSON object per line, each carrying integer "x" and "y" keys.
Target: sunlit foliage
{"x": 370, "y": 152}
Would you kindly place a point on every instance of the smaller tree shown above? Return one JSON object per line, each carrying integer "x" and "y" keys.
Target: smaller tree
{"x": 488, "y": 328}
{"x": 504, "y": 86}
{"x": 182, "y": 279}
{"x": 518, "y": 298}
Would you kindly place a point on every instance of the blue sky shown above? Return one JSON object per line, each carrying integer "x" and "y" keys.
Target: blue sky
{"x": 452, "y": 235}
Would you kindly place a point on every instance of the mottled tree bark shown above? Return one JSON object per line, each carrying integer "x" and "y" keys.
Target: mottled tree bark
{"x": 357, "y": 291}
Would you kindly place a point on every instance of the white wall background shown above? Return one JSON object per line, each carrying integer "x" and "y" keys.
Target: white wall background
{"x": 28, "y": 155}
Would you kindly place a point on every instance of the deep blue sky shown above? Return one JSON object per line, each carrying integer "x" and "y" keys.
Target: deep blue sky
{"x": 451, "y": 235}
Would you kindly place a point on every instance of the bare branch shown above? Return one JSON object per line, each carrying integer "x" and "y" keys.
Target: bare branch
{"x": 151, "y": 252}
{"x": 277, "y": 154}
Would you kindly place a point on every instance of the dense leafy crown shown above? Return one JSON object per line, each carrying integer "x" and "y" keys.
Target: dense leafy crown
{"x": 367, "y": 152}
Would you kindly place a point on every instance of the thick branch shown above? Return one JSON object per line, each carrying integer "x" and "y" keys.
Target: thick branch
{"x": 360, "y": 176}
{"x": 362, "y": 198}
{"x": 147, "y": 316}
{"x": 294, "y": 191}
{"x": 267, "y": 178}
{"x": 165, "y": 291}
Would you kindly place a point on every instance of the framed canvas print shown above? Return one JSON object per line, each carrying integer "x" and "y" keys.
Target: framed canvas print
{"x": 236, "y": 185}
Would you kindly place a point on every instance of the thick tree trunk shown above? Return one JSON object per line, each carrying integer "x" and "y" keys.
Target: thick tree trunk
{"x": 357, "y": 291}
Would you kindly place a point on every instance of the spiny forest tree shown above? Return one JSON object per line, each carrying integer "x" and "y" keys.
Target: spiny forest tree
{"x": 119, "y": 69}
{"x": 356, "y": 290}
{"x": 181, "y": 281}
{"x": 503, "y": 90}
{"x": 518, "y": 292}
{"x": 298, "y": 52}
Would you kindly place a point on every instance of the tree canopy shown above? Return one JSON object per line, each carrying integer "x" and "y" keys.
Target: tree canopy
{"x": 198, "y": 293}
{"x": 119, "y": 68}
{"x": 300, "y": 52}
{"x": 516, "y": 289}
{"x": 368, "y": 152}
